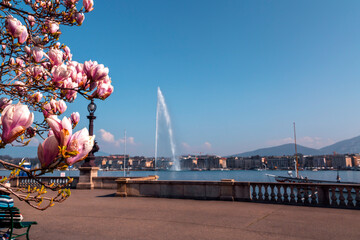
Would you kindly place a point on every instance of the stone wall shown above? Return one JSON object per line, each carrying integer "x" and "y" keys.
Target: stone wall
{"x": 205, "y": 190}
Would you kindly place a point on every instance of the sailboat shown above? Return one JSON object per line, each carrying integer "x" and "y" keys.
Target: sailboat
{"x": 300, "y": 179}
{"x": 126, "y": 171}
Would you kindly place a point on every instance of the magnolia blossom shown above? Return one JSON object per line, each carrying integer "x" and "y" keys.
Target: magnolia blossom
{"x": 59, "y": 74}
{"x": 27, "y": 50}
{"x": 19, "y": 86}
{"x": 75, "y": 118}
{"x": 88, "y": 5}
{"x": 20, "y": 62}
{"x": 55, "y": 56}
{"x": 67, "y": 54}
{"x": 15, "y": 120}
{"x": 36, "y": 72}
{"x": 79, "y": 142}
{"x": 95, "y": 71}
{"x": 48, "y": 151}
{"x": 103, "y": 90}
{"x": 82, "y": 143}
{"x": 31, "y": 20}
{"x": 4, "y": 102}
{"x": 15, "y": 28}
{"x": 61, "y": 106}
{"x": 79, "y": 18}
{"x": 38, "y": 54}
{"x": 37, "y": 97}
{"x": 53, "y": 27}
{"x": 62, "y": 129}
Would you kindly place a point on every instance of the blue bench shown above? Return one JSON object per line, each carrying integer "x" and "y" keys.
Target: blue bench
{"x": 10, "y": 219}
{"x": 12, "y": 222}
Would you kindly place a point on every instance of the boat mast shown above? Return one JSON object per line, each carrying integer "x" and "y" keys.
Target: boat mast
{"x": 124, "y": 152}
{"x": 296, "y": 156}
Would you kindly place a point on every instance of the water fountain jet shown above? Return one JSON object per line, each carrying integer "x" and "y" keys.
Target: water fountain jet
{"x": 162, "y": 110}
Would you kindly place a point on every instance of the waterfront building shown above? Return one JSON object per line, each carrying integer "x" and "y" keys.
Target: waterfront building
{"x": 340, "y": 161}
{"x": 284, "y": 162}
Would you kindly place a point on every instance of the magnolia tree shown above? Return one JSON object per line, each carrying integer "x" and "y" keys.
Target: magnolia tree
{"x": 37, "y": 73}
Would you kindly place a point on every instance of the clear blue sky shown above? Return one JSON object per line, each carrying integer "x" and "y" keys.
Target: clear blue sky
{"x": 235, "y": 74}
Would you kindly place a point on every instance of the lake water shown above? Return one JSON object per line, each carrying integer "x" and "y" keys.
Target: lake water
{"x": 237, "y": 175}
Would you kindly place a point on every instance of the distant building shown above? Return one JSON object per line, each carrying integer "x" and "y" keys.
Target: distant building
{"x": 340, "y": 161}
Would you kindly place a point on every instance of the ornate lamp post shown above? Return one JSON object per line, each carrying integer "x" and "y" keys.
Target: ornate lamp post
{"x": 88, "y": 169}
{"x": 90, "y": 159}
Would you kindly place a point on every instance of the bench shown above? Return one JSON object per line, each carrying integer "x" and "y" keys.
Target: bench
{"x": 10, "y": 219}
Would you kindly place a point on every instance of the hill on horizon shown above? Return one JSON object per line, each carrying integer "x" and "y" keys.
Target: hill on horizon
{"x": 348, "y": 146}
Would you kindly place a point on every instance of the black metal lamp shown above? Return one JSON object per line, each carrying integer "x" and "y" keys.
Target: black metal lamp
{"x": 90, "y": 159}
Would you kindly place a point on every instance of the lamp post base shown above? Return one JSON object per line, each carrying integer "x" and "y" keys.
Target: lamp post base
{"x": 86, "y": 177}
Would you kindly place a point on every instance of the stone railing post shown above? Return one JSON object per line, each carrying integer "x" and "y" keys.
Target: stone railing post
{"x": 14, "y": 182}
{"x": 86, "y": 177}
{"x": 323, "y": 195}
{"x": 121, "y": 190}
{"x": 227, "y": 189}
{"x": 242, "y": 191}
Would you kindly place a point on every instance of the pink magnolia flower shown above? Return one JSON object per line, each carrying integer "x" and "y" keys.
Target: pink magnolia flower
{"x": 37, "y": 97}
{"x": 20, "y": 62}
{"x": 61, "y": 106}
{"x": 30, "y": 132}
{"x": 98, "y": 72}
{"x": 88, "y": 66}
{"x": 47, "y": 110}
{"x": 67, "y": 54}
{"x": 60, "y": 73}
{"x": 55, "y": 56}
{"x": 15, "y": 120}
{"x": 82, "y": 143}
{"x": 79, "y": 17}
{"x": 53, "y": 104}
{"x": 103, "y": 90}
{"x": 24, "y": 35}
{"x": 27, "y": 50}
{"x": 75, "y": 118}
{"x": 19, "y": 86}
{"x": 35, "y": 72}
{"x": 38, "y": 54}
{"x": 62, "y": 129}
{"x": 4, "y": 102}
{"x": 70, "y": 3}
{"x": 15, "y": 28}
{"x": 70, "y": 91}
{"x": 31, "y": 20}
{"x": 53, "y": 27}
{"x": 48, "y": 151}
{"x": 88, "y": 5}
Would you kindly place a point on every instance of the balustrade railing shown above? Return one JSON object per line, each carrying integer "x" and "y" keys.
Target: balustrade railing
{"x": 25, "y": 181}
{"x": 308, "y": 194}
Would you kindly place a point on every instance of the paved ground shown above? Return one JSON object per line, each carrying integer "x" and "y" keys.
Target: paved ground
{"x": 98, "y": 214}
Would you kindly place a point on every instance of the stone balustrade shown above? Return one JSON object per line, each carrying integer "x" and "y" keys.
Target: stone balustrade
{"x": 25, "y": 181}
{"x": 305, "y": 194}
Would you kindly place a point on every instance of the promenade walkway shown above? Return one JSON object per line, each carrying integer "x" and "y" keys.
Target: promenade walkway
{"x": 97, "y": 214}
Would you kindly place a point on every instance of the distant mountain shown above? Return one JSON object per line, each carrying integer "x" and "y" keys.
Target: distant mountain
{"x": 346, "y": 146}
{"x": 286, "y": 149}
